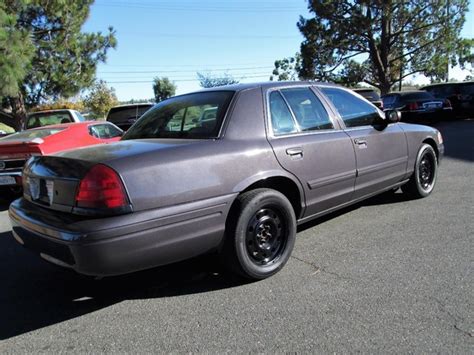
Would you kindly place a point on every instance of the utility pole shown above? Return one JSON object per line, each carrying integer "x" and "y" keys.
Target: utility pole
{"x": 447, "y": 44}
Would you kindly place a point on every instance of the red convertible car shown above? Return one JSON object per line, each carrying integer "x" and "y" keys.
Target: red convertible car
{"x": 17, "y": 148}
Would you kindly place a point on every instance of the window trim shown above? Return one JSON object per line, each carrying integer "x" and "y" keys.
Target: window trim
{"x": 336, "y": 127}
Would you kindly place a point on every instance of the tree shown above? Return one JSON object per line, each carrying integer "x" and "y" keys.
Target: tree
{"x": 206, "y": 80}
{"x": 391, "y": 39}
{"x": 163, "y": 88}
{"x": 287, "y": 68}
{"x": 43, "y": 53}
{"x": 100, "y": 99}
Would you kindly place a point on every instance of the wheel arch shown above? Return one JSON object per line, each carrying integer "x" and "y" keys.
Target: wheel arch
{"x": 433, "y": 144}
{"x": 284, "y": 184}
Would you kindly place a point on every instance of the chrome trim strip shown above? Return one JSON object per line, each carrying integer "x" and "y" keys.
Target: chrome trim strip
{"x": 381, "y": 166}
{"x": 10, "y": 173}
{"x": 332, "y": 179}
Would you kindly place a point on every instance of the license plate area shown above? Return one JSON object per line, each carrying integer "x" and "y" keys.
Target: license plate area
{"x": 7, "y": 180}
{"x": 41, "y": 190}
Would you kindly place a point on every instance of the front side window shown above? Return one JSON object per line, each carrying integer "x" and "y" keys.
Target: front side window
{"x": 308, "y": 110}
{"x": 353, "y": 110}
{"x": 193, "y": 116}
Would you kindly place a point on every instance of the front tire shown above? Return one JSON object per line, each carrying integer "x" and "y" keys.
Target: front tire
{"x": 424, "y": 177}
{"x": 260, "y": 234}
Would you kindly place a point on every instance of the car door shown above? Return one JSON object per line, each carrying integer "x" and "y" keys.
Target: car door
{"x": 381, "y": 152}
{"x": 313, "y": 147}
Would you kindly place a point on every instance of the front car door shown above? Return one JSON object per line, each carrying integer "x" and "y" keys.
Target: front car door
{"x": 312, "y": 146}
{"x": 381, "y": 152}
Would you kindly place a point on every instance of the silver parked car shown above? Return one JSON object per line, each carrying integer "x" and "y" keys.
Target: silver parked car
{"x": 269, "y": 157}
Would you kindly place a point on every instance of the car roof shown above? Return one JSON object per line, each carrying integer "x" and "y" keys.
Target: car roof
{"x": 48, "y": 111}
{"x": 408, "y": 92}
{"x": 263, "y": 85}
{"x": 447, "y": 84}
{"x": 137, "y": 104}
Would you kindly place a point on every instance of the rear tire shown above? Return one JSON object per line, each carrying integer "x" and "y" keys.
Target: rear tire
{"x": 424, "y": 177}
{"x": 260, "y": 234}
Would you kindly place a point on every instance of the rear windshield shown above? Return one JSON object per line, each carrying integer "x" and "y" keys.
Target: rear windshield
{"x": 422, "y": 95}
{"x": 370, "y": 95}
{"x": 124, "y": 113}
{"x": 191, "y": 116}
{"x": 32, "y": 134}
{"x": 389, "y": 99}
{"x": 41, "y": 119}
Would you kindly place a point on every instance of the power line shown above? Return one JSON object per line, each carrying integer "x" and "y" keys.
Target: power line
{"x": 183, "y": 71}
{"x": 195, "y": 35}
{"x": 204, "y": 8}
{"x": 180, "y": 80}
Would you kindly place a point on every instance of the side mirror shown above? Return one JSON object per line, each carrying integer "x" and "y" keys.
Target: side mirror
{"x": 393, "y": 116}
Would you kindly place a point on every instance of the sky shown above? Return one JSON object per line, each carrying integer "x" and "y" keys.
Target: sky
{"x": 178, "y": 38}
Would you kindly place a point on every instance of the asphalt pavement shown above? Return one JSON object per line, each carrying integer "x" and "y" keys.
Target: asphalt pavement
{"x": 388, "y": 275}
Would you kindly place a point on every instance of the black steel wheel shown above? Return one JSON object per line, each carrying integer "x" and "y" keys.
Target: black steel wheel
{"x": 260, "y": 234}
{"x": 424, "y": 176}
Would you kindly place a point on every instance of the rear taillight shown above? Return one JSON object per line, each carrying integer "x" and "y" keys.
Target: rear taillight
{"x": 101, "y": 188}
{"x": 412, "y": 106}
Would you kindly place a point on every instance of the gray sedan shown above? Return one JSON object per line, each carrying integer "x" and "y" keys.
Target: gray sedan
{"x": 271, "y": 156}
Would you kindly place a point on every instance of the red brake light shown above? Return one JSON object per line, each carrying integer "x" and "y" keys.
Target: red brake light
{"x": 101, "y": 188}
{"x": 412, "y": 106}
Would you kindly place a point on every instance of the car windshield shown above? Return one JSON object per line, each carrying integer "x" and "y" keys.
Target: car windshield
{"x": 193, "y": 116}
{"x": 41, "y": 119}
{"x": 31, "y": 134}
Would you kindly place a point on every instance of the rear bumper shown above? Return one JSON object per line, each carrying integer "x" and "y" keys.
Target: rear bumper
{"x": 122, "y": 244}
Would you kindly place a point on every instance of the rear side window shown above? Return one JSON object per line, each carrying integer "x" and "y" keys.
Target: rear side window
{"x": 353, "y": 110}
{"x": 282, "y": 120}
{"x": 48, "y": 118}
{"x": 308, "y": 110}
{"x": 193, "y": 116}
{"x": 104, "y": 131}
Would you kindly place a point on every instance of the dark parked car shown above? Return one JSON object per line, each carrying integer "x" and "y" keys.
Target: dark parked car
{"x": 418, "y": 106}
{"x": 125, "y": 116}
{"x": 371, "y": 96}
{"x": 274, "y": 156}
{"x": 461, "y": 96}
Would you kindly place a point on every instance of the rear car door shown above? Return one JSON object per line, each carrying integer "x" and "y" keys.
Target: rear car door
{"x": 381, "y": 152}
{"x": 312, "y": 146}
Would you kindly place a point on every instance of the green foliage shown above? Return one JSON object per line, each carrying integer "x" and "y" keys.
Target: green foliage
{"x": 100, "y": 99}
{"x": 163, "y": 88}
{"x": 206, "y": 80}
{"x": 393, "y": 38}
{"x": 287, "y": 68}
{"x": 16, "y": 51}
{"x": 54, "y": 58}
{"x": 60, "y": 104}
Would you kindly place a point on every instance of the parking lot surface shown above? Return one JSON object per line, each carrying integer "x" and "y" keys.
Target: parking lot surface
{"x": 386, "y": 275}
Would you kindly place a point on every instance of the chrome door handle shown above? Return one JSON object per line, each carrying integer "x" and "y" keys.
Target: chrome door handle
{"x": 360, "y": 141}
{"x": 294, "y": 152}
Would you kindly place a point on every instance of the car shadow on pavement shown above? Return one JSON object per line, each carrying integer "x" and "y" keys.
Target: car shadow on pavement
{"x": 35, "y": 294}
{"x": 457, "y": 137}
